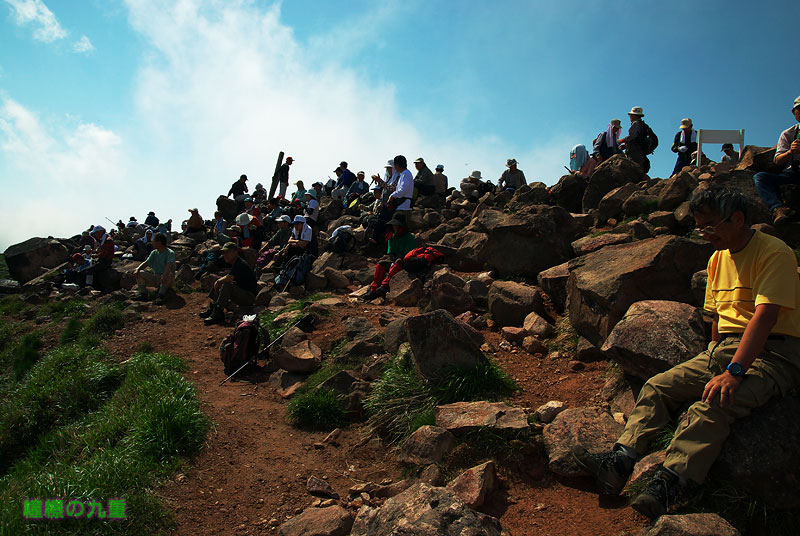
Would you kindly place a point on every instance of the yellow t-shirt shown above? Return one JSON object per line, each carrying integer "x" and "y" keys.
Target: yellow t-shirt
{"x": 765, "y": 271}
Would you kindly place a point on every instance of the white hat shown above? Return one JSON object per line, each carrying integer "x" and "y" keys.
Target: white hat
{"x": 475, "y": 174}
{"x": 299, "y": 219}
{"x": 285, "y": 218}
{"x": 390, "y": 163}
{"x": 243, "y": 219}
{"x": 637, "y": 110}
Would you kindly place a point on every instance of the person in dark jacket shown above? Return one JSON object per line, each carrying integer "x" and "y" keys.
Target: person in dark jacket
{"x": 151, "y": 220}
{"x": 609, "y": 143}
{"x": 635, "y": 143}
{"x": 685, "y": 143}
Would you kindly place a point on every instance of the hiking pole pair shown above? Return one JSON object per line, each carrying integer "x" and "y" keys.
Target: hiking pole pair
{"x": 303, "y": 319}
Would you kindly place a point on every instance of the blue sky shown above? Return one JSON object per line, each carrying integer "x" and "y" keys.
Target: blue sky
{"x": 114, "y": 108}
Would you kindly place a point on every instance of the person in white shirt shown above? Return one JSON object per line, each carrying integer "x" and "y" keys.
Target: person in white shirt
{"x": 400, "y": 199}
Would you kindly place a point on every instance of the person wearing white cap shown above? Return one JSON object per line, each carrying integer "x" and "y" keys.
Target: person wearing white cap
{"x": 470, "y": 185}
{"x": 684, "y": 144}
{"x": 312, "y": 208}
{"x": 638, "y": 141}
{"x": 250, "y": 231}
{"x": 787, "y": 157}
{"x": 512, "y": 178}
{"x": 302, "y": 236}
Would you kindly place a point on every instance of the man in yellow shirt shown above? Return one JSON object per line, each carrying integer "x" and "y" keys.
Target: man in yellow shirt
{"x": 753, "y": 291}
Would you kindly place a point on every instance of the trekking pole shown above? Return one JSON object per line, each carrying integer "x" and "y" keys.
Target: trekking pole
{"x": 267, "y": 347}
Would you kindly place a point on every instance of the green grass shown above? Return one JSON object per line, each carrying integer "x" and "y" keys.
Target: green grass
{"x": 24, "y": 355}
{"x": 71, "y": 332}
{"x": 267, "y": 319}
{"x": 58, "y": 310}
{"x": 566, "y": 338}
{"x": 112, "y": 431}
{"x": 105, "y": 321}
{"x": 401, "y": 400}
{"x": 316, "y": 409}
{"x": 12, "y": 305}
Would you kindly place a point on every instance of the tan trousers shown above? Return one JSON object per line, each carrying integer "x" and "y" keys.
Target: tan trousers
{"x": 702, "y": 432}
{"x": 149, "y": 279}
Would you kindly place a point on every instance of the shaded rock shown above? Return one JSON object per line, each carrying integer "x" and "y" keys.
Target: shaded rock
{"x": 611, "y": 204}
{"x": 587, "y": 244}
{"x": 263, "y": 298}
{"x": 293, "y": 336}
{"x": 548, "y": 411}
{"x": 654, "y": 336}
{"x": 432, "y": 475}
{"x": 676, "y": 190}
{"x": 639, "y": 203}
{"x": 662, "y": 219}
{"x": 359, "y": 328}
{"x": 699, "y": 280}
{"x": 282, "y": 380}
{"x": 461, "y": 418}
{"x": 691, "y": 525}
{"x": 405, "y": 290}
{"x": 587, "y": 352}
{"x": 444, "y": 275}
{"x": 317, "y": 486}
{"x": 683, "y": 216}
{"x": 774, "y": 476}
{"x": 554, "y": 282}
{"x": 33, "y": 257}
{"x": 427, "y": 445}
{"x": 596, "y": 431}
{"x": 475, "y": 484}
{"x": 9, "y": 286}
{"x": 395, "y": 335}
{"x": 755, "y": 159}
{"x": 479, "y": 291}
{"x": 423, "y": 510}
{"x": 340, "y": 383}
{"x": 513, "y": 334}
{"x": 331, "y": 521}
{"x": 645, "y": 468}
{"x": 335, "y": 278}
{"x": 447, "y": 296}
{"x": 537, "y": 326}
{"x": 303, "y": 357}
{"x": 532, "y": 345}
{"x": 510, "y": 302}
{"x": 568, "y": 192}
{"x": 612, "y": 173}
{"x": 439, "y": 342}
{"x": 603, "y": 284}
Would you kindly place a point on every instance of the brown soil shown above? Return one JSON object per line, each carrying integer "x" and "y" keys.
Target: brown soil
{"x": 251, "y": 476}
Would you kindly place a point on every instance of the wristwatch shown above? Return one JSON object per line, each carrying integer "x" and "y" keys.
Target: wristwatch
{"x": 736, "y": 370}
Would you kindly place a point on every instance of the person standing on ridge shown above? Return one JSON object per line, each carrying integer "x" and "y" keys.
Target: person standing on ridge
{"x": 684, "y": 144}
{"x": 283, "y": 176}
{"x": 637, "y": 144}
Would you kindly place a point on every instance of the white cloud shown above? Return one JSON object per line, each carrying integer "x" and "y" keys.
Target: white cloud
{"x": 47, "y": 27}
{"x": 83, "y": 46}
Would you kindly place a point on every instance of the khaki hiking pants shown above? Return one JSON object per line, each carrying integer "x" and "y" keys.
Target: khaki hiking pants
{"x": 701, "y": 434}
{"x": 230, "y": 292}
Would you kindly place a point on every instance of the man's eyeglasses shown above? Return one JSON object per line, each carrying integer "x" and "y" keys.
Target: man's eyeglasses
{"x": 710, "y": 229}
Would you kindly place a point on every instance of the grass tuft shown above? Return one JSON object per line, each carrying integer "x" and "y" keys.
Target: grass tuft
{"x": 25, "y": 354}
{"x": 318, "y": 409}
{"x": 72, "y": 331}
{"x": 105, "y": 321}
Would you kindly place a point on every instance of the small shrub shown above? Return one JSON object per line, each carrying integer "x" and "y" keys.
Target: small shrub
{"x": 25, "y": 354}
{"x": 72, "y": 331}
{"x": 486, "y": 381}
{"x": 317, "y": 409}
{"x": 11, "y": 305}
{"x": 145, "y": 348}
{"x": 105, "y": 321}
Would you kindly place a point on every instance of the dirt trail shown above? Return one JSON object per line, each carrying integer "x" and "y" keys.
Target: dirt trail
{"x": 252, "y": 474}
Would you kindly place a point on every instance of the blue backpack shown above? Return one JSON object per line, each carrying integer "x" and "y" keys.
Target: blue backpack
{"x": 295, "y": 270}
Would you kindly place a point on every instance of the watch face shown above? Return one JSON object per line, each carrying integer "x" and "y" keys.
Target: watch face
{"x": 736, "y": 369}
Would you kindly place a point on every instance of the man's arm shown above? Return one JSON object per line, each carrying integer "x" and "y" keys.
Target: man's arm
{"x": 786, "y": 149}
{"x": 753, "y": 340}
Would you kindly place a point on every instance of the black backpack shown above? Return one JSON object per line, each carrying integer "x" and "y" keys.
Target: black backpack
{"x": 598, "y": 143}
{"x": 650, "y": 138}
{"x": 342, "y": 242}
{"x": 241, "y": 346}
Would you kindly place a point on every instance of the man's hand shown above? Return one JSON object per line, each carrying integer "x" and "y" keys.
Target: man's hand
{"x": 795, "y": 147}
{"x": 724, "y": 385}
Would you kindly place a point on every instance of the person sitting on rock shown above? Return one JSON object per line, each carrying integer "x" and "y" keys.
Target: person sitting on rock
{"x": 423, "y": 180}
{"x": 787, "y": 157}
{"x": 251, "y": 208}
{"x": 276, "y": 242}
{"x": 300, "y": 241}
{"x": 195, "y": 223}
{"x": 77, "y": 269}
{"x": 400, "y": 242}
{"x": 753, "y": 293}
{"x": 472, "y": 186}
{"x": 220, "y": 226}
{"x": 512, "y": 178}
{"x": 151, "y": 219}
{"x": 356, "y": 190}
{"x": 249, "y": 231}
{"x": 238, "y": 286}
{"x": 375, "y": 205}
{"x": 731, "y": 156}
{"x": 105, "y": 256}
{"x": 143, "y": 246}
{"x": 581, "y": 162}
{"x": 239, "y": 190}
{"x": 87, "y": 240}
{"x": 132, "y": 222}
{"x": 400, "y": 198}
{"x": 162, "y": 263}
{"x": 317, "y": 187}
{"x": 260, "y": 193}
{"x": 684, "y": 144}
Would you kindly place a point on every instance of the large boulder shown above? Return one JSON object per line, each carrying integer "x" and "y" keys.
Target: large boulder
{"x": 610, "y": 205}
{"x": 405, "y": 290}
{"x": 304, "y": 357}
{"x": 447, "y": 296}
{"x": 33, "y": 257}
{"x": 603, "y": 285}
{"x": 757, "y": 211}
{"x": 656, "y": 335}
{"x": 595, "y": 430}
{"x": 568, "y": 192}
{"x": 439, "y": 341}
{"x": 475, "y": 484}
{"x": 676, "y": 190}
{"x": 755, "y": 159}
{"x": 510, "y": 302}
{"x": 610, "y": 174}
{"x": 424, "y": 510}
{"x": 227, "y": 207}
{"x": 554, "y": 282}
{"x": 538, "y": 235}
{"x": 691, "y": 525}
{"x": 331, "y": 521}
{"x": 588, "y": 244}
{"x": 761, "y": 454}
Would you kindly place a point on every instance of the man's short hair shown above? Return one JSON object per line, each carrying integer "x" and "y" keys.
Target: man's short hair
{"x": 242, "y": 177}
{"x": 160, "y": 237}
{"x": 723, "y": 201}
{"x": 343, "y": 165}
{"x": 400, "y": 161}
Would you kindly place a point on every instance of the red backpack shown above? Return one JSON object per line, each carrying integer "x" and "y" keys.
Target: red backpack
{"x": 420, "y": 259}
{"x": 241, "y": 346}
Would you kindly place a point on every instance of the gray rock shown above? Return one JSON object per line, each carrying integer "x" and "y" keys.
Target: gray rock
{"x": 405, "y": 290}
{"x": 427, "y": 445}
{"x": 510, "y": 302}
{"x": 444, "y": 275}
{"x": 479, "y": 291}
{"x": 335, "y": 278}
{"x": 645, "y": 468}
{"x": 596, "y": 431}
{"x": 587, "y": 352}
{"x": 461, "y": 418}
{"x": 691, "y": 525}
{"x": 317, "y": 486}
{"x": 537, "y": 326}
{"x": 568, "y": 192}
{"x": 699, "y": 280}
{"x": 447, "y": 296}
{"x": 33, "y": 257}
{"x": 612, "y": 173}
{"x": 547, "y": 412}
{"x": 331, "y": 521}
{"x": 423, "y": 510}
{"x": 395, "y": 335}
{"x": 340, "y": 383}
{"x": 654, "y": 336}
{"x": 303, "y": 357}
{"x": 602, "y": 285}
{"x": 440, "y": 342}
{"x": 554, "y": 282}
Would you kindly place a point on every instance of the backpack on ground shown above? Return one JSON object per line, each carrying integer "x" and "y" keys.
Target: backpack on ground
{"x": 294, "y": 271}
{"x": 342, "y": 241}
{"x": 651, "y": 140}
{"x": 241, "y": 346}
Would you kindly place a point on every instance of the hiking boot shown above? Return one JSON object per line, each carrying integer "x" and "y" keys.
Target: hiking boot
{"x": 382, "y": 291}
{"x": 159, "y": 300}
{"x": 217, "y": 317}
{"x": 369, "y": 296}
{"x": 610, "y": 469}
{"x": 781, "y": 214}
{"x": 208, "y": 312}
{"x": 659, "y": 495}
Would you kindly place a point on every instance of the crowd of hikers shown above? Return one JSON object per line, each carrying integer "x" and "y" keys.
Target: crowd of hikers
{"x": 275, "y": 232}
